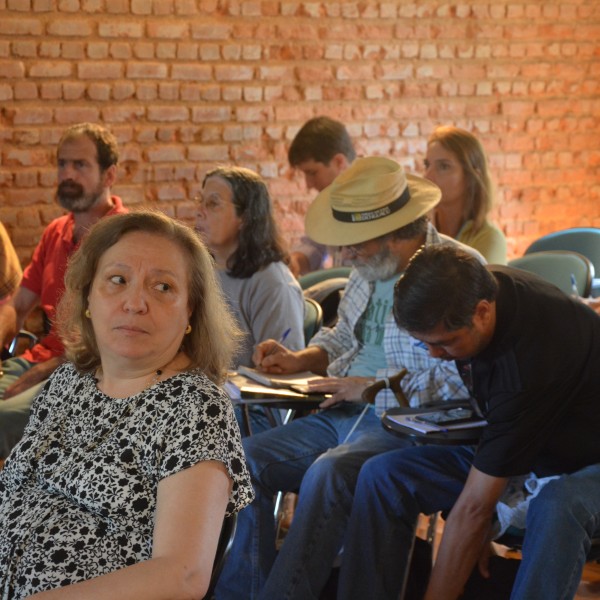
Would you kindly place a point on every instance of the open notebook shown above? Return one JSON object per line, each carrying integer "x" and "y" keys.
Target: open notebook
{"x": 297, "y": 382}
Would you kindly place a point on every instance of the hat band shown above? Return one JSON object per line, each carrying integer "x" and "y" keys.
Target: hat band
{"x": 373, "y": 215}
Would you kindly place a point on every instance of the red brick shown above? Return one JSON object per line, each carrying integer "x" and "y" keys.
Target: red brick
{"x": 17, "y": 25}
{"x": 69, "y": 28}
{"x": 100, "y": 70}
{"x": 60, "y": 69}
{"x": 192, "y": 72}
{"x": 146, "y": 71}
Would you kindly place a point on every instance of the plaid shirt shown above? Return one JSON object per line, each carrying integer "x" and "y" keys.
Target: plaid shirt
{"x": 428, "y": 379}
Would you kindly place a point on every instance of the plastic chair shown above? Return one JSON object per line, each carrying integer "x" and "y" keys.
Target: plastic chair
{"x": 314, "y": 277}
{"x": 13, "y": 348}
{"x": 313, "y": 318}
{"x": 557, "y": 267}
{"x": 585, "y": 240}
{"x": 328, "y": 294}
{"x": 223, "y": 547}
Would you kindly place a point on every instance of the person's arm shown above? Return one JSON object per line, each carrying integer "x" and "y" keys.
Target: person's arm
{"x": 466, "y": 534}
{"x": 14, "y": 312}
{"x": 33, "y": 376}
{"x": 307, "y": 256}
{"x": 189, "y": 515}
{"x": 272, "y": 357}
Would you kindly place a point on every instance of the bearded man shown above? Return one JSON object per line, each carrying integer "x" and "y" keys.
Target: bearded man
{"x": 87, "y": 158}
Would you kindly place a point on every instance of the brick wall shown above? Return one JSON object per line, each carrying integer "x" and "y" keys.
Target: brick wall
{"x": 186, "y": 84}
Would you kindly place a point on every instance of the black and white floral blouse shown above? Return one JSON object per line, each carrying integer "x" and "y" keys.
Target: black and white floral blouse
{"x": 78, "y": 493}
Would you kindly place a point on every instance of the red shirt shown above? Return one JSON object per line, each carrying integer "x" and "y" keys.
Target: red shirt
{"x": 45, "y": 275}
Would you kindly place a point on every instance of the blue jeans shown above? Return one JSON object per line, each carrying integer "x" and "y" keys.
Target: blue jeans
{"x": 561, "y": 521}
{"x": 285, "y": 458}
{"x": 392, "y": 490}
{"x": 14, "y": 412}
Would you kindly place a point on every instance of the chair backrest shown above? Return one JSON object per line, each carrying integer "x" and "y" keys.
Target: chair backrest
{"x": 223, "y": 547}
{"x": 313, "y": 318}
{"x": 585, "y": 240}
{"x": 559, "y": 267}
{"x": 314, "y": 277}
{"x": 328, "y": 294}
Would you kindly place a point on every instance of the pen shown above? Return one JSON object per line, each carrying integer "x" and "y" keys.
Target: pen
{"x": 281, "y": 341}
{"x": 574, "y": 285}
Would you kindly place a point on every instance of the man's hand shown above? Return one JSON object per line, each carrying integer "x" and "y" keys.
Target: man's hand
{"x": 271, "y": 357}
{"x": 32, "y": 376}
{"x": 342, "y": 389}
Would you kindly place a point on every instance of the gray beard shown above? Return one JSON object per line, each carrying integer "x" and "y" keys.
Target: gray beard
{"x": 379, "y": 267}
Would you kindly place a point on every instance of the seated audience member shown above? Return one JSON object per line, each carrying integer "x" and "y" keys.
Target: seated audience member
{"x": 321, "y": 149}
{"x": 539, "y": 395}
{"x": 10, "y": 267}
{"x": 87, "y": 168}
{"x": 456, "y": 162}
{"x": 235, "y": 220}
{"x": 122, "y": 493}
{"x": 378, "y": 213}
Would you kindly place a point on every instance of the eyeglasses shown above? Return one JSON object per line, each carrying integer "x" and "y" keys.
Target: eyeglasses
{"x": 210, "y": 204}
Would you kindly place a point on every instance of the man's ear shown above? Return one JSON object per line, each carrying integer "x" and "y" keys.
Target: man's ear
{"x": 485, "y": 316}
{"x": 339, "y": 162}
{"x": 110, "y": 176}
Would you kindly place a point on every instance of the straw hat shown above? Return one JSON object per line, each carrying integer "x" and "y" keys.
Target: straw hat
{"x": 374, "y": 196}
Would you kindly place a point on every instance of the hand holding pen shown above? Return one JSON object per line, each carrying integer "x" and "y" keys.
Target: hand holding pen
{"x": 273, "y": 357}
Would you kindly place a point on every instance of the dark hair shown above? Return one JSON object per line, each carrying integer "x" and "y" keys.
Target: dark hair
{"x": 213, "y": 336}
{"x": 105, "y": 142}
{"x": 441, "y": 285}
{"x": 412, "y": 230}
{"x": 259, "y": 242}
{"x": 470, "y": 154}
{"x": 320, "y": 139}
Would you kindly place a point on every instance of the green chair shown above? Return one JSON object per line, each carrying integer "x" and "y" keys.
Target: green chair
{"x": 314, "y": 277}
{"x": 313, "y": 318}
{"x": 559, "y": 267}
{"x": 585, "y": 240}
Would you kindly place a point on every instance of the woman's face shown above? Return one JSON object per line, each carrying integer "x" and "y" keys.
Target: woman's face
{"x": 216, "y": 221}
{"x": 442, "y": 167}
{"x": 139, "y": 301}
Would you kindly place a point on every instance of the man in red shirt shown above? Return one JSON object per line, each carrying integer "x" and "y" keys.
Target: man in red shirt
{"x": 87, "y": 159}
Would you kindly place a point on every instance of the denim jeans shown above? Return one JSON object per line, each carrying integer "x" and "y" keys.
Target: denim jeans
{"x": 14, "y": 412}
{"x": 561, "y": 521}
{"x": 392, "y": 490}
{"x": 289, "y": 458}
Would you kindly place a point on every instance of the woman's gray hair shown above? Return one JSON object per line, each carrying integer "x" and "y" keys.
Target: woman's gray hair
{"x": 213, "y": 339}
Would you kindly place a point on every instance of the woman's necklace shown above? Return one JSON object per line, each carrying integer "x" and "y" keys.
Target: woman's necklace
{"x": 98, "y": 376}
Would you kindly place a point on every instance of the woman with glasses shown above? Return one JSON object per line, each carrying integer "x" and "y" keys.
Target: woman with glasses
{"x": 456, "y": 163}
{"x": 235, "y": 220}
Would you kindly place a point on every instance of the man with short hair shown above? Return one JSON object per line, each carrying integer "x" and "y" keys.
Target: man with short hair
{"x": 321, "y": 150}
{"x": 379, "y": 215}
{"x": 87, "y": 159}
{"x": 530, "y": 354}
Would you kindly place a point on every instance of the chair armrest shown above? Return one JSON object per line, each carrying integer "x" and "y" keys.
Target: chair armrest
{"x": 392, "y": 383}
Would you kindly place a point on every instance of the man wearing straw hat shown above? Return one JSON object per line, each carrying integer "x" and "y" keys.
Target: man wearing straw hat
{"x": 378, "y": 214}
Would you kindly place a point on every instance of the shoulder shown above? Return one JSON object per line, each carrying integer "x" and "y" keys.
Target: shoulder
{"x": 118, "y": 207}
{"x": 444, "y": 239}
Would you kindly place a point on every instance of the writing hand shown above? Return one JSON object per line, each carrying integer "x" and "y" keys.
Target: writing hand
{"x": 271, "y": 357}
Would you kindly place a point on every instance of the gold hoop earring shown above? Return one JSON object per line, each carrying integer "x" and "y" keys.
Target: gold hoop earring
{"x": 87, "y": 313}
{"x": 188, "y": 329}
